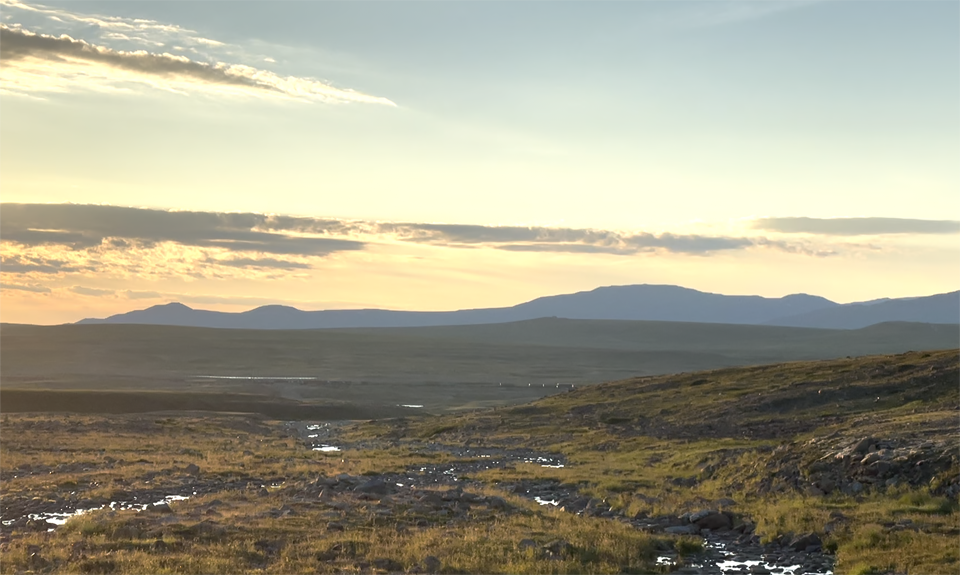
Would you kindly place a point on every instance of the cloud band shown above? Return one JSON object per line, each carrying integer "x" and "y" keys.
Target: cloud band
{"x": 857, "y": 226}
{"x": 63, "y": 54}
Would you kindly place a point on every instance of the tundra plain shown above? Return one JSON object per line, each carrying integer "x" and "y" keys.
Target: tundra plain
{"x": 362, "y": 373}
{"x": 802, "y": 465}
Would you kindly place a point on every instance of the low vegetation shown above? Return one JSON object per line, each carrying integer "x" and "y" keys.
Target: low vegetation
{"x": 861, "y": 451}
{"x": 849, "y": 463}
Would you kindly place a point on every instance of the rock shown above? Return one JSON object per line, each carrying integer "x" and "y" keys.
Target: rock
{"x": 469, "y": 497}
{"x": 725, "y": 502}
{"x": 691, "y": 529}
{"x": 387, "y": 564}
{"x": 694, "y": 517}
{"x": 162, "y": 507}
{"x": 863, "y": 446}
{"x": 452, "y": 495}
{"x": 498, "y": 503}
{"x": 192, "y": 469}
{"x": 431, "y": 564}
{"x": 879, "y": 468}
{"x": 558, "y": 548}
{"x": 262, "y": 492}
{"x": 758, "y": 570}
{"x": 334, "y": 526}
{"x": 872, "y": 457}
{"x": 526, "y": 544}
{"x": 374, "y": 487}
{"x": 714, "y": 521}
{"x": 826, "y": 485}
{"x": 36, "y": 525}
{"x": 804, "y": 542}
{"x": 813, "y": 491}
{"x": 431, "y": 499}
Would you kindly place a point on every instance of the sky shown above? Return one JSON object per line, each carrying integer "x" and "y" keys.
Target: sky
{"x": 453, "y": 155}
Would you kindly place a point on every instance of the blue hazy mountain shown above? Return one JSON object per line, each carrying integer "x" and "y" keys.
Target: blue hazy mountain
{"x": 633, "y": 302}
{"x": 940, "y": 308}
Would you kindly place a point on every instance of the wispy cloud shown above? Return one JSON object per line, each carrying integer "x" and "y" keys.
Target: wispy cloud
{"x": 53, "y": 244}
{"x": 96, "y": 292}
{"x": 36, "y": 63}
{"x": 287, "y": 239}
{"x": 25, "y": 287}
{"x": 856, "y": 226}
{"x": 570, "y": 240}
{"x": 520, "y": 238}
{"x": 266, "y": 263}
{"x": 85, "y": 226}
{"x": 36, "y": 265}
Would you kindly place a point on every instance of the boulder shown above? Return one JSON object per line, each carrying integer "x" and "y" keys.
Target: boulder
{"x": 374, "y": 487}
{"x": 714, "y": 521}
{"x": 863, "y": 446}
{"x": 805, "y": 542}
{"x": 192, "y": 469}
{"x": 162, "y": 507}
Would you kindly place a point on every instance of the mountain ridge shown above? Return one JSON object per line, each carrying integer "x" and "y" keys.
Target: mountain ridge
{"x": 648, "y": 302}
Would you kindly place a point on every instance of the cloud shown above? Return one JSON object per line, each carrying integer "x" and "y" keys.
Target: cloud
{"x": 40, "y": 62}
{"x": 137, "y": 294}
{"x": 291, "y": 241}
{"x": 86, "y": 226}
{"x": 267, "y": 263}
{"x": 29, "y": 288}
{"x": 569, "y": 240}
{"x": 518, "y": 238}
{"x": 23, "y": 265}
{"x": 857, "y": 226}
{"x": 92, "y": 291}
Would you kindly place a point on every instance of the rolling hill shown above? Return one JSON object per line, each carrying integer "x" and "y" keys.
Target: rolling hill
{"x": 633, "y": 302}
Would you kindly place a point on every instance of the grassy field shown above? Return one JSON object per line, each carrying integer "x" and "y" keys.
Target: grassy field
{"x": 767, "y": 438}
{"x": 861, "y": 452}
{"x": 441, "y": 368}
{"x": 259, "y": 501}
{"x": 790, "y": 443}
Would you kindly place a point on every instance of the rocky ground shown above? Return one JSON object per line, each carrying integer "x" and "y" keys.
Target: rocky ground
{"x": 872, "y": 489}
{"x": 422, "y": 495}
{"x": 729, "y": 543}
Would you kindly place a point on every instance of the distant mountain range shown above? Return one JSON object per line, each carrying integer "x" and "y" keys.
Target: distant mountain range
{"x": 633, "y": 302}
